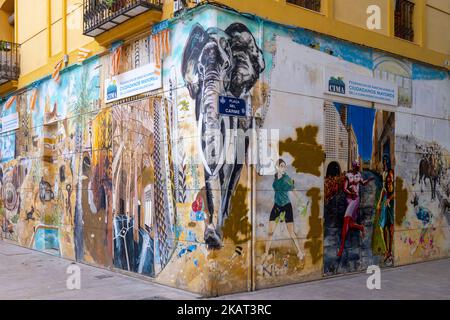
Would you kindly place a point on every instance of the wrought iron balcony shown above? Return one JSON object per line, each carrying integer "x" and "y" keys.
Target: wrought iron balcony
{"x": 100, "y": 16}
{"x": 9, "y": 61}
{"x": 308, "y": 4}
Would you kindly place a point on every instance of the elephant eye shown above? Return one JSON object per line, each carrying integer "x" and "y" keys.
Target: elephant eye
{"x": 223, "y": 43}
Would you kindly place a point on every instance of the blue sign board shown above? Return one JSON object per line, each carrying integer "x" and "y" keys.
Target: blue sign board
{"x": 232, "y": 107}
{"x": 157, "y": 28}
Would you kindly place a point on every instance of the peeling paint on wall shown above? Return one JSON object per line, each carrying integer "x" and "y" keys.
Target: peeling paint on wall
{"x": 401, "y": 207}
{"x": 308, "y": 154}
{"x": 314, "y": 243}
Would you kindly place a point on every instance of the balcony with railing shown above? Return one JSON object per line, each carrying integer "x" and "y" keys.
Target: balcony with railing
{"x": 404, "y": 10}
{"x": 100, "y": 16}
{"x": 308, "y": 4}
{"x": 9, "y": 61}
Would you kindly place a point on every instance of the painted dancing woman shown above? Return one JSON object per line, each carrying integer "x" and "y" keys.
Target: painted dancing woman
{"x": 353, "y": 180}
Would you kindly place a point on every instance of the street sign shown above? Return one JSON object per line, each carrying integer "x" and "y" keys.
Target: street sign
{"x": 232, "y": 107}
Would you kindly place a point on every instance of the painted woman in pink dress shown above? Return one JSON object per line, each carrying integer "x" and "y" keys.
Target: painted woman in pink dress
{"x": 353, "y": 180}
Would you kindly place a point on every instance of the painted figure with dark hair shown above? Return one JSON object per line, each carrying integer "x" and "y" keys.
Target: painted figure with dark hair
{"x": 220, "y": 63}
{"x": 283, "y": 185}
{"x": 353, "y": 180}
{"x": 386, "y": 207}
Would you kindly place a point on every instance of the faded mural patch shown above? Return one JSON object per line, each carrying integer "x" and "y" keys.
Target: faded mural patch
{"x": 422, "y": 227}
{"x": 314, "y": 243}
{"x": 308, "y": 154}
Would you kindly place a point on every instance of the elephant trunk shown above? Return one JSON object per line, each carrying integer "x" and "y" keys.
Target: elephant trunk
{"x": 211, "y": 133}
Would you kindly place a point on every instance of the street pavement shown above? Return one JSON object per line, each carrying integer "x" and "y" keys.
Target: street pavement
{"x": 28, "y": 274}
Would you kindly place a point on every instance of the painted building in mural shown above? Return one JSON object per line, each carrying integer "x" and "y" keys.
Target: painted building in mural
{"x": 226, "y": 153}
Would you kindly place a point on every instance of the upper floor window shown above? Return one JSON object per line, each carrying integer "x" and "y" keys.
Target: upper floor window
{"x": 308, "y": 4}
{"x": 404, "y": 19}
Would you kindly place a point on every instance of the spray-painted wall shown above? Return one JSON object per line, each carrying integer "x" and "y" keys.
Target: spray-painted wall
{"x": 55, "y": 191}
{"x": 307, "y": 225}
{"x": 158, "y": 185}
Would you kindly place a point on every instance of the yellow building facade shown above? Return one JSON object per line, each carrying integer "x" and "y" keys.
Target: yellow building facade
{"x": 49, "y": 29}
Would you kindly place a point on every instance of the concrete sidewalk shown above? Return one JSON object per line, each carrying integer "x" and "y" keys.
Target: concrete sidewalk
{"x": 422, "y": 281}
{"x": 28, "y": 274}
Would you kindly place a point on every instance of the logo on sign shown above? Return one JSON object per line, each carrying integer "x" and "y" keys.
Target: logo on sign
{"x": 111, "y": 91}
{"x": 232, "y": 107}
{"x": 336, "y": 85}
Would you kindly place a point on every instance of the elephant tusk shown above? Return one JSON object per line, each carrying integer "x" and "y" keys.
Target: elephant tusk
{"x": 225, "y": 146}
{"x": 222, "y": 152}
{"x": 199, "y": 141}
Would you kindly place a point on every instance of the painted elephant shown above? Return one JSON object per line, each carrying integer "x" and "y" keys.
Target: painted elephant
{"x": 220, "y": 63}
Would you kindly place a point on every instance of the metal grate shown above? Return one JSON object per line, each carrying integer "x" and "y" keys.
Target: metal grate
{"x": 102, "y": 15}
{"x": 308, "y": 4}
{"x": 404, "y": 19}
{"x": 9, "y": 61}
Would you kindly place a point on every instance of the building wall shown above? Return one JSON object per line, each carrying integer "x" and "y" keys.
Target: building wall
{"x": 6, "y": 9}
{"x": 358, "y": 16}
{"x": 336, "y": 20}
{"x": 292, "y": 83}
{"x": 34, "y": 37}
{"x": 437, "y": 18}
{"x": 140, "y": 184}
{"x": 6, "y": 31}
{"x": 47, "y": 30}
{"x": 75, "y": 37}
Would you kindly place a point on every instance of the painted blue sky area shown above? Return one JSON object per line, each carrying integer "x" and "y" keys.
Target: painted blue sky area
{"x": 181, "y": 30}
{"x": 362, "y": 120}
{"x": 264, "y": 30}
{"x": 423, "y": 72}
{"x": 7, "y": 146}
{"x": 12, "y": 109}
{"x": 347, "y": 51}
{"x": 64, "y": 95}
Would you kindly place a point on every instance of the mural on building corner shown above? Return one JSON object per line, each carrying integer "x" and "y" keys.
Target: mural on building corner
{"x": 220, "y": 62}
{"x": 153, "y": 184}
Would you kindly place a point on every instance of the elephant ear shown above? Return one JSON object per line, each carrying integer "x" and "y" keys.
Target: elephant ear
{"x": 192, "y": 51}
{"x": 243, "y": 41}
{"x": 235, "y": 31}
